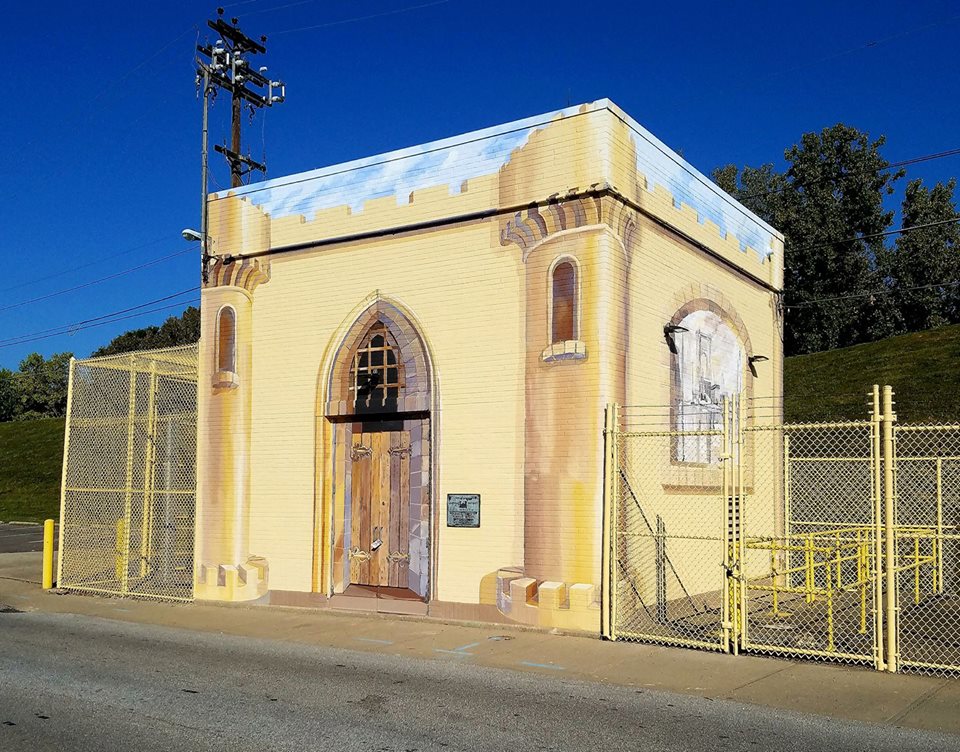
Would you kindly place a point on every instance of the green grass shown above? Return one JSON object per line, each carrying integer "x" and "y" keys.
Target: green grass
{"x": 923, "y": 368}
{"x": 31, "y": 460}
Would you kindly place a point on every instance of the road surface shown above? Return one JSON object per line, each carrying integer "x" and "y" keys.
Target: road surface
{"x": 79, "y": 683}
{"x": 22, "y": 538}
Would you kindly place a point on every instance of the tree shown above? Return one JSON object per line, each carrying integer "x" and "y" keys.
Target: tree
{"x": 176, "y": 330}
{"x": 832, "y": 191}
{"x": 760, "y": 189}
{"x": 8, "y": 395}
{"x": 40, "y": 386}
{"x": 926, "y": 258}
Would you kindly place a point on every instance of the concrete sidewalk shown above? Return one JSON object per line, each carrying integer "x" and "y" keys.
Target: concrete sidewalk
{"x": 823, "y": 689}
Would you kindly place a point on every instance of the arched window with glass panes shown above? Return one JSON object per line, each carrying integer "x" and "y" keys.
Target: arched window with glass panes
{"x": 376, "y": 375}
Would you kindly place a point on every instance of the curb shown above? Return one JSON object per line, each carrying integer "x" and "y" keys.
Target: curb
{"x": 38, "y": 524}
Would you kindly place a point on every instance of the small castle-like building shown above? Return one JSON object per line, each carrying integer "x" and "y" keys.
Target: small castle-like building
{"x": 406, "y": 359}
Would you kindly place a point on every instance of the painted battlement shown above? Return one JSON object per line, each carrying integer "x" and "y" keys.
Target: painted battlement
{"x": 549, "y": 156}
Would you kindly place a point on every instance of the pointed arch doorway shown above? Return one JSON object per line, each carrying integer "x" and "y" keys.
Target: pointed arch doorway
{"x": 379, "y": 412}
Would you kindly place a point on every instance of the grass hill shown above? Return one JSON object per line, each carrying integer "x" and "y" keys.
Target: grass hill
{"x": 31, "y": 460}
{"x": 923, "y": 368}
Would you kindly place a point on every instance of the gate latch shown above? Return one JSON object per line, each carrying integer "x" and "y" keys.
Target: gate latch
{"x": 378, "y": 541}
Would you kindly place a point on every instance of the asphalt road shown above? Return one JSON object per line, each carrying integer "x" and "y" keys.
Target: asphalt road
{"x": 22, "y": 538}
{"x": 81, "y": 683}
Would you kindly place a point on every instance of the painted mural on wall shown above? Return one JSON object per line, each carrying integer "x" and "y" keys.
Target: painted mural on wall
{"x": 443, "y": 352}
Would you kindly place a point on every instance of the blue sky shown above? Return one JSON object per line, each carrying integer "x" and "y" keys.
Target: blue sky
{"x": 101, "y": 123}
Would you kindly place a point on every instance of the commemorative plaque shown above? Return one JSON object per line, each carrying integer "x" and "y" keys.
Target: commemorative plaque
{"x": 463, "y": 510}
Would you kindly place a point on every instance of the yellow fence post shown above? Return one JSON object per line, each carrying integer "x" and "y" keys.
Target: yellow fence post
{"x": 609, "y": 524}
{"x": 876, "y": 417}
{"x": 938, "y": 558}
{"x": 890, "y": 597}
{"x": 47, "y": 554}
{"x": 149, "y": 461}
{"x": 741, "y": 509}
{"x": 725, "y": 618}
{"x": 64, "y": 468}
{"x": 128, "y": 495}
{"x": 787, "y": 523}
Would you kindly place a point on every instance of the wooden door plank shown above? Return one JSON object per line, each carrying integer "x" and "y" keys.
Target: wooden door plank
{"x": 403, "y": 505}
{"x": 376, "y": 510}
{"x": 384, "y": 505}
{"x": 357, "y": 472}
{"x": 364, "y": 510}
{"x": 394, "y": 514}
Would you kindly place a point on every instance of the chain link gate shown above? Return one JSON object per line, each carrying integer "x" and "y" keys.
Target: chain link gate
{"x": 809, "y": 551}
{"x": 831, "y": 541}
{"x": 927, "y": 544}
{"x": 129, "y": 477}
{"x": 669, "y": 552}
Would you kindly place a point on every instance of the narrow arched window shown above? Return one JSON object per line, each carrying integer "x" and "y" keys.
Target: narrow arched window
{"x": 564, "y": 314}
{"x": 227, "y": 340}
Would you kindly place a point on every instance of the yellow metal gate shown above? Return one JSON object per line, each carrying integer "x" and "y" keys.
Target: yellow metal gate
{"x": 809, "y": 546}
{"x": 733, "y": 531}
{"x": 927, "y": 544}
{"x": 129, "y": 476}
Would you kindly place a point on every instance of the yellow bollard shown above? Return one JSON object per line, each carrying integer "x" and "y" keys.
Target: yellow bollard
{"x": 120, "y": 552}
{"x": 830, "y": 646}
{"x": 773, "y": 578}
{"x": 862, "y": 576}
{"x": 916, "y": 568}
{"x": 47, "y": 554}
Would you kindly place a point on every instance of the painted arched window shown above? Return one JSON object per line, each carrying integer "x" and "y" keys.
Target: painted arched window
{"x": 564, "y": 301}
{"x": 707, "y": 366}
{"x": 376, "y": 375}
{"x": 227, "y": 340}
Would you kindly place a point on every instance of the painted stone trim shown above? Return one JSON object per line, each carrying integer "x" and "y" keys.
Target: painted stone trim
{"x": 571, "y": 349}
{"x": 529, "y": 228}
{"x": 689, "y": 299}
{"x": 244, "y": 273}
{"x": 415, "y": 393}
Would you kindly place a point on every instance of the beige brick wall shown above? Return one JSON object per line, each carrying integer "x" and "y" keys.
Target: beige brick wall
{"x": 523, "y": 432}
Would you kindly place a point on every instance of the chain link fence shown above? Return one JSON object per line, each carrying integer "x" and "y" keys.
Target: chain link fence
{"x": 129, "y": 481}
{"x": 833, "y": 541}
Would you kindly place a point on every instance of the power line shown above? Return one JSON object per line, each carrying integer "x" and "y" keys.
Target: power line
{"x": 273, "y": 8}
{"x": 71, "y": 269}
{"x": 106, "y": 318}
{"x": 890, "y": 166}
{"x": 887, "y": 291}
{"x": 868, "y": 236}
{"x": 103, "y": 323}
{"x": 361, "y": 18}
{"x": 93, "y": 282}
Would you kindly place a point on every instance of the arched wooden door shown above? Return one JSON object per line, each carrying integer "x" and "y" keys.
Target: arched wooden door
{"x": 380, "y": 409}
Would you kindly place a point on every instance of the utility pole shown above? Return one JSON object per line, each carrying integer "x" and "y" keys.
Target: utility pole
{"x": 225, "y": 66}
